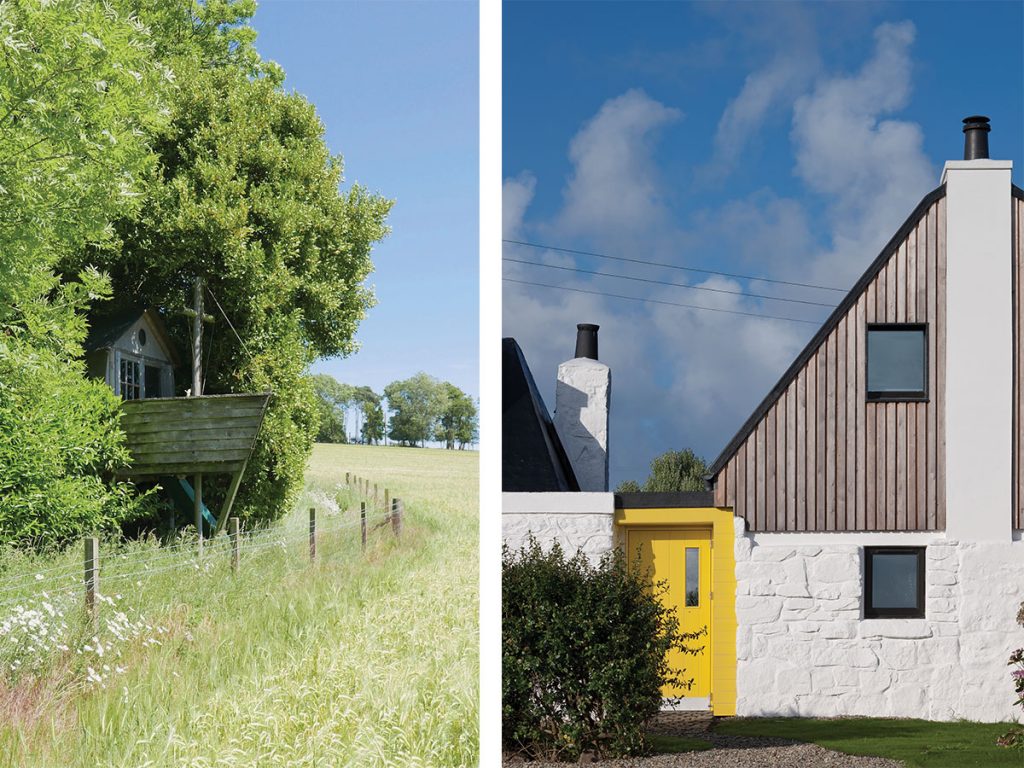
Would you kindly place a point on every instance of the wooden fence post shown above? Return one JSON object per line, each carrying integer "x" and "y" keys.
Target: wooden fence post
{"x": 396, "y": 516}
{"x": 312, "y": 534}
{"x": 197, "y": 508}
{"x": 387, "y": 502}
{"x": 346, "y": 479}
{"x": 92, "y": 575}
{"x": 362, "y": 521}
{"x": 235, "y": 543}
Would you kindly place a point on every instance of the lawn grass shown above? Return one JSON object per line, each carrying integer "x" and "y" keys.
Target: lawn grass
{"x": 918, "y": 743}
{"x": 665, "y": 744}
{"x": 361, "y": 659}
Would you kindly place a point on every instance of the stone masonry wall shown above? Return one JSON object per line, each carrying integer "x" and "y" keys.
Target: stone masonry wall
{"x": 804, "y": 648}
{"x": 575, "y": 520}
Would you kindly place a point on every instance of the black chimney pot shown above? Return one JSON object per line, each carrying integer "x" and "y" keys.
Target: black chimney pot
{"x": 976, "y": 130}
{"x": 586, "y": 340}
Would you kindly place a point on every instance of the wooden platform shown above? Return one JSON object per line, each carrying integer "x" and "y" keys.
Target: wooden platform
{"x": 191, "y": 435}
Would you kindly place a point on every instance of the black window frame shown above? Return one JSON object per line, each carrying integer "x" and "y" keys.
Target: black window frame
{"x": 917, "y": 612}
{"x": 910, "y": 396}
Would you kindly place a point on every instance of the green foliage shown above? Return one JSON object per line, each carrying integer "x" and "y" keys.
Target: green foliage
{"x": 1015, "y": 736}
{"x": 457, "y": 422}
{"x": 59, "y": 445}
{"x": 371, "y": 414}
{"x": 333, "y": 400}
{"x": 416, "y": 405}
{"x": 80, "y": 92}
{"x": 672, "y": 471}
{"x": 246, "y": 196}
{"x": 583, "y": 653}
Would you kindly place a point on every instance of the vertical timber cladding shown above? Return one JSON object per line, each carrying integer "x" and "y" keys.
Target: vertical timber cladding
{"x": 1017, "y": 219}
{"x": 816, "y": 456}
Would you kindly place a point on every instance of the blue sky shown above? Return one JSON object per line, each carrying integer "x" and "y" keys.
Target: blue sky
{"x": 396, "y": 85}
{"x": 771, "y": 139}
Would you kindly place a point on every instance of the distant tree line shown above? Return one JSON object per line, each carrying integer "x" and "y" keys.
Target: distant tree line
{"x": 410, "y": 412}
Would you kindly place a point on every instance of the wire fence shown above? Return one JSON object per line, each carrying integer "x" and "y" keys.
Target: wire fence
{"x": 195, "y": 553}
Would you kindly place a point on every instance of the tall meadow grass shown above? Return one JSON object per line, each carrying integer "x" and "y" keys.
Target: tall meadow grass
{"x": 364, "y": 659}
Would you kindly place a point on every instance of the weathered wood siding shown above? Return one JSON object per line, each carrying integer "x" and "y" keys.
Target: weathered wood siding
{"x": 187, "y": 435}
{"x": 822, "y": 458}
{"x": 1018, "y": 360}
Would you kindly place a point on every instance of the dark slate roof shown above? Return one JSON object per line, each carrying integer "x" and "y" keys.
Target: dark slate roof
{"x": 533, "y": 459}
{"x": 833, "y": 320}
{"x": 106, "y": 329}
{"x": 666, "y": 500}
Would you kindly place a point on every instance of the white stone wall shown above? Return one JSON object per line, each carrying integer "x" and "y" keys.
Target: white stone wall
{"x": 575, "y": 520}
{"x": 804, "y": 649}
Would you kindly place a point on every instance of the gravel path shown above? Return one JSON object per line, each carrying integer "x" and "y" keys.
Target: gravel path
{"x": 727, "y": 752}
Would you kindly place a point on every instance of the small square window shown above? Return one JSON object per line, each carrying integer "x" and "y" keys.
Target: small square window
{"x": 894, "y": 582}
{"x": 897, "y": 364}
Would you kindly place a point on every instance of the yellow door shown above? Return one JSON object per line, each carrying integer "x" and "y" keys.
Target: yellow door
{"x": 683, "y": 559}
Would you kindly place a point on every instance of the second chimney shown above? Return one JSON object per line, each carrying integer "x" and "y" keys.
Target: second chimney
{"x": 582, "y": 400}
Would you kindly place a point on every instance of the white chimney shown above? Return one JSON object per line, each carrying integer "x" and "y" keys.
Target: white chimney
{"x": 582, "y": 398}
{"x": 979, "y": 341}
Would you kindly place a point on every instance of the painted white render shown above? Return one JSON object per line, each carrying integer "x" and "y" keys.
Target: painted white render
{"x": 582, "y": 398}
{"x": 979, "y": 349}
{"x": 804, "y": 649}
{"x": 575, "y": 520}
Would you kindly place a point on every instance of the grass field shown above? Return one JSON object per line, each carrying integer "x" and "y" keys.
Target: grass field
{"x": 361, "y": 659}
{"x": 918, "y": 743}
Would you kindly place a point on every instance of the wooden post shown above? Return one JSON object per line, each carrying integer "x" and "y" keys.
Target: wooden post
{"x": 92, "y": 575}
{"x": 235, "y": 543}
{"x": 312, "y": 534}
{"x": 387, "y": 502}
{"x": 197, "y": 338}
{"x": 197, "y": 508}
{"x": 362, "y": 521}
{"x": 346, "y": 479}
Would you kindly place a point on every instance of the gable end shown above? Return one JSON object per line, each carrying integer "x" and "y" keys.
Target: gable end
{"x": 830, "y": 325}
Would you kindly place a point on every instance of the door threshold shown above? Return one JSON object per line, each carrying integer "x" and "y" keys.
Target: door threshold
{"x": 687, "y": 704}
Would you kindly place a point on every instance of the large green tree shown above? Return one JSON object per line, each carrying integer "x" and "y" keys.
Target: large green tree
{"x": 245, "y": 195}
{"x": 671, "y": 471}
{"x": 416, "y": 405}
{"x": 457, "y": 421}
{"x": 81, "y": 92}
{"x": 371, "y": 415}
{"x": 333, "y": 401}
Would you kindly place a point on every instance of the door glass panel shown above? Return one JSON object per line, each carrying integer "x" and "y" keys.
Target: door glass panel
{"x": 692, "y": 577}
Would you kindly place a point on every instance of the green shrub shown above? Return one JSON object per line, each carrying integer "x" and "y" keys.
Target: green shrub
{"x": 583, "y": 653}
{"x": 60, "y": 445}
{"x": 1015, "y": 737}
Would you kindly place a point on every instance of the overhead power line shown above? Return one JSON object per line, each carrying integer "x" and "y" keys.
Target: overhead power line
{"x": 669, "y": 282}
{"x": 673, "y": 266}
{"x": 667, "y": 303}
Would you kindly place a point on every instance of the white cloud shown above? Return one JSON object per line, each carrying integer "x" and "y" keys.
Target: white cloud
{"x": 516, "y": 196}
{"x": 872, "y": 171}
{"x": 686, "y": 377}
{"x": 613, "y": 190}
{"x": 766, "y": 89}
